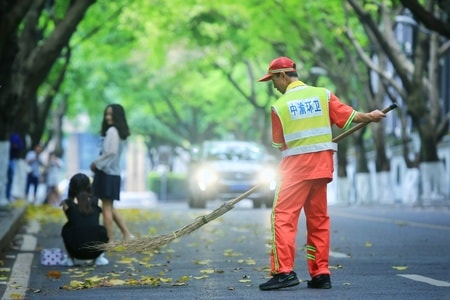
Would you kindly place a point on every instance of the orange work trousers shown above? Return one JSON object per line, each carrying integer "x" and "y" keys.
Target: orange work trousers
{"x": 290, "y": 199}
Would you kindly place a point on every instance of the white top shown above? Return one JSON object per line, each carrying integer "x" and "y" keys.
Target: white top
{"x": 33, "y": 161}
{"x": 53, "y": 171}
{"x": 112, "y": 146}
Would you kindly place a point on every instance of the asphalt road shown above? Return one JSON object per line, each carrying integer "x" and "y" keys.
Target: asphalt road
{"x": 377, "y": 253}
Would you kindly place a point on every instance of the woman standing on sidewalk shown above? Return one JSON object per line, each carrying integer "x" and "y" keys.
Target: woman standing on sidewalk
{"x": 106, "y": 167}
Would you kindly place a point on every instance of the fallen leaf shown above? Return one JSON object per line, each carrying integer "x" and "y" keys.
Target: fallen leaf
{"x": 79, "y": 274}
{"x": 368, "y": 244}
{"x": 184, "y": 278}
{"x": 202, "y": 262}
{"x": 165, "y": 280}
{"x": 230, "y": 252}
{"x": 338, "y": 266}
{"x": 116, "y": 282}
{"x": 76, "y": 284}
{"x": 400, "y": 268}
{"x": 126, "y": 260}
{"x": 95, "y": 279}
{"x": 54, "y": 274}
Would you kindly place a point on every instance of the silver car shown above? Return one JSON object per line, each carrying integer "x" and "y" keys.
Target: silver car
{"x": 226, "y": 169}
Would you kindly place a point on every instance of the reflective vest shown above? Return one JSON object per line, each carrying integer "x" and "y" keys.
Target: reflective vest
{"x": 303, "y": 112}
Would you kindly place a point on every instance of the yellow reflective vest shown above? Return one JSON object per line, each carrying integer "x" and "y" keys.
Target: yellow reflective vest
{"x": 303, "y": 112}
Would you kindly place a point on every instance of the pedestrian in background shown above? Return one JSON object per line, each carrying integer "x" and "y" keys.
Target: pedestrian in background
{"x": 15, "y": 149}
{"x": 34, "y": 174}
{"x": 53, "y": 170}
{"x": 82, "y": 230}
{"x": 106, "y": 167}
{"x": 301, "y": 129}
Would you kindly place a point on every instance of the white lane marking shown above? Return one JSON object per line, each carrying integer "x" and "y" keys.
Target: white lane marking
{"x": 29, "y": 243}
{"x": 425, "y": 279}
{"x": 20, "y": 274}
{"x": 339, "y": 255}
{"x": 33, "y": 227}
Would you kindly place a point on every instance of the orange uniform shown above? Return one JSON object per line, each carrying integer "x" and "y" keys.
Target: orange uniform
{"x": 303, "y": 184}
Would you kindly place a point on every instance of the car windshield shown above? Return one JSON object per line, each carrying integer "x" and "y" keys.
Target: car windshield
{"x": 234, "y": 152}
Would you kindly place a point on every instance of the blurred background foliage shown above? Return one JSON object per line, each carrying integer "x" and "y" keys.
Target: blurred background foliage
{"x": 185, "y": 71}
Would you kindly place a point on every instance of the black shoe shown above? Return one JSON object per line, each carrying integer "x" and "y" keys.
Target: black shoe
{"x": 279, "y": 281}
{"x": 320, "y": 282}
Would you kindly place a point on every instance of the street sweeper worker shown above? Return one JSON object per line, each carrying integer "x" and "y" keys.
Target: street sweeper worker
{"x": 301, "y": 129}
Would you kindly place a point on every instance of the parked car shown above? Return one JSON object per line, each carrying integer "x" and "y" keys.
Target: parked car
{"x": 226, "y": 169}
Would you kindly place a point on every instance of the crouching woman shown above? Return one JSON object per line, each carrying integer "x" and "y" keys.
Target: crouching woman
{"x": 83, "y": 230}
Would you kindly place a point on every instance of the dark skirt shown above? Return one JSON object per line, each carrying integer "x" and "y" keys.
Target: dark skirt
{"x": 79, "y": 240}
{"x": 106, "y": 186}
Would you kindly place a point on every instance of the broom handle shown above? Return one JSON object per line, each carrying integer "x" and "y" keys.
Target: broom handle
{"x": 243, "y": 196}
{"x": 361, "y": 125}
{"x": 335, "y": 140}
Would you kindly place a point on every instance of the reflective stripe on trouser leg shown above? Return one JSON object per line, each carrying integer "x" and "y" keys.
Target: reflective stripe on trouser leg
{"x": 310, "y": 252}
{"x": 288, "y": 203}
{"x": 318, "y": 229}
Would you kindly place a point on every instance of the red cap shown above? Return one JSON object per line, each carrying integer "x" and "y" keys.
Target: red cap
{"x": 279, "y": 65}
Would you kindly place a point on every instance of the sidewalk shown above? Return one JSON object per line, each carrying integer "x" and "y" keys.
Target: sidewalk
{"x": 11, "y": 218}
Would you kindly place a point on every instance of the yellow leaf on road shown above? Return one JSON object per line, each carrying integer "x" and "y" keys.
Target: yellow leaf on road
{"x": 400, "y": 268}
{"x": 76, "y": 284}
{"x": 184, "y": 278}
{"x": 116, "y": 282}
{"x": 165, "y": 280}
{"x": 202, "y": 262}
{"x": 95, "y": 279}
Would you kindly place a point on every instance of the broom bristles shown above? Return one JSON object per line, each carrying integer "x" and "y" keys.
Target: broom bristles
{"x": 152, "y": 243}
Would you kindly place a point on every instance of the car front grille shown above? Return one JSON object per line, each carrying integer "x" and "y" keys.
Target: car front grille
{"x": 239, "y": 176}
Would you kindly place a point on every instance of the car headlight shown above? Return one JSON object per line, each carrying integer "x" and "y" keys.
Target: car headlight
{"x": 268, "y": 177}
{"x": 205, "y": 177}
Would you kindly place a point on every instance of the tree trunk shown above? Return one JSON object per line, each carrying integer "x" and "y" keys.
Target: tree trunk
{"x": 362, "y": 179}
{"x": 27, "y": 55}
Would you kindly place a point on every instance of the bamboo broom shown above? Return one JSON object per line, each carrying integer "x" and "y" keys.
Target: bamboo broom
{"x": 152, "y": 243}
